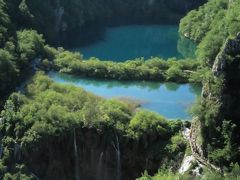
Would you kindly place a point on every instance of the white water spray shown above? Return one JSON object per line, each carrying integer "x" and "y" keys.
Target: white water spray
{"x": 77, "y": 173}
{"x": 99, "y": 168}
{"x": 118, "y": 154}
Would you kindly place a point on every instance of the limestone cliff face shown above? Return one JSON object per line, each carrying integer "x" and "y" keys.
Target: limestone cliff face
{"x": 227, "y": 66}
{"x": 223, "y": 94}
{"x": 231, "y": 48}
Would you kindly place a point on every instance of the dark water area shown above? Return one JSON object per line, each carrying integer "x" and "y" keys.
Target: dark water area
{"x": 129, "y": 42}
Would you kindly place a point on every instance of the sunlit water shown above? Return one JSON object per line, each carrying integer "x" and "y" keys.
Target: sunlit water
{"x": 169, "y": 99}
{"x": 130, "y": 42}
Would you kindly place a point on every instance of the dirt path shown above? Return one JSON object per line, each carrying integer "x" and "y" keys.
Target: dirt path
{"x": 197, "y": 152}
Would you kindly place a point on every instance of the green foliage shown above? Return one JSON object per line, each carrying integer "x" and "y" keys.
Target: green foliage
{"x": 210, "y": 26}
{"x": 148, "y": 122}
{"x": 198, "y": 22}
{"x": 49, "y": 110}
{"x": 4, "y": 22}
{"x": 30, "y": 44}
{"x": 16, "y": 57}
{"x": 168, "y": 175}
{"x": 232, "y": 175}
{"x": 138, "y": 69}
{"x": 23, "y": 7}
{"x": 8, "y": 70}
{"x": 20, "y": 173}
{"x": 224, "y": 155}
{"x": 178, "y": 144}
{"x": 164, "y": 175}
{"x": 52, "y": 108}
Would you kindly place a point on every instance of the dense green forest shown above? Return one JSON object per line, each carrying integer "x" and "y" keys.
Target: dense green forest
{"x": 210, "y": 26}
{"x": 50, "y": 112}
{"x": 41, "y": 125}
{"x": 18, "y": 48}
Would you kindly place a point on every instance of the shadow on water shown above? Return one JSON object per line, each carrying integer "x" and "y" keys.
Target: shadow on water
{"x": 139, "y": 41}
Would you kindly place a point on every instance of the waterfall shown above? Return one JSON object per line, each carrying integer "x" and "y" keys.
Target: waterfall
{"x": 77, "y": 173}
{"x": 59, "y": 12}
{"x": 118, "y": 154}
{"x": 1, "y": 145}
{"x": 151, "y": 2}
{"x": 34, "y": 175}
{"x": 186, "y": 164}
{"x": 99, "y": 167}
{"x": 1, "y": 150}
{"x": 17, "y": 154}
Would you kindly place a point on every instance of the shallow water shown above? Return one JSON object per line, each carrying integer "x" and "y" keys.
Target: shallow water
{"x": 130, "y": 42}
{"x": 169, "y": 99}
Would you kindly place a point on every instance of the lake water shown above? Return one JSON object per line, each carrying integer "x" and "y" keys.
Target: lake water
{"x": 169, "y": 99}
{"x": 130, "y": 42}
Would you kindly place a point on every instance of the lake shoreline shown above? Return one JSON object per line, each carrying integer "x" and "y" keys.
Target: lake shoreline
{"x": 168, "y": 99}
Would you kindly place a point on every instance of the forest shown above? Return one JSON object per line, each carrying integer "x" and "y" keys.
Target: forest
{"x": 46, "y": 126}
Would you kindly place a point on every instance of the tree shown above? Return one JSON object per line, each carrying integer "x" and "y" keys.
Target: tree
{"x": 8, "y": 71}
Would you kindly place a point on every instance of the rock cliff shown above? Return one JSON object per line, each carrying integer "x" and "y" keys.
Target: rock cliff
{"x": 220, "y": 106}
{"x": 84, "y": 20}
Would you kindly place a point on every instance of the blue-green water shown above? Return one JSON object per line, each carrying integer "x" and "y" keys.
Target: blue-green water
{"x": 169, "y": 99}
{"x": 130, "y": 42}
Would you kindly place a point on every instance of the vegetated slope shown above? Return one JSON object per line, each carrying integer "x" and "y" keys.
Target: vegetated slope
{"x": 17, "y": 49}
{"x": 218, "y": 112}
{"x": 219, "y": 109}
{"x": 40, "y": 129}
{"x": 211, "y": 25}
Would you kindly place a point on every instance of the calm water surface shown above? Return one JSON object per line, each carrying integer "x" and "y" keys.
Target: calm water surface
{"x": 169, "y": 99}
{"x": 130, "y": 42}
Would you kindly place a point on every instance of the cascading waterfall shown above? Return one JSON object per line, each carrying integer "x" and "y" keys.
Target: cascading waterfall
{"x": 99, "y": 167}
{"x": 59, "y": 12}
{"x": 77, "y": 173}
{"x": 1, "y": 145}
{"x": 1, "y": 150}
{"x": 118, "y": 153}
{"x": 151, "y": 2}
{"x": 34, "y": 175}
{"x": 17, "y": 154}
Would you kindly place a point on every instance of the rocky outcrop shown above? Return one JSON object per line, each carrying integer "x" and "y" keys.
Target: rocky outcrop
{"x": 221, "y": 102}
{"x": 231, "y": 48}
{"x": 227, "y": 66}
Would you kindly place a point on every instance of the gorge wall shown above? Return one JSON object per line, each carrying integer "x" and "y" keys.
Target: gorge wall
{"x": 63, "y": 21}
{"x": 101, "y": 156}
{"x": 219, "y": 120}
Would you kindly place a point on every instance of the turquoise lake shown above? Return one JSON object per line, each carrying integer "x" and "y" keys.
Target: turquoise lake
{"x": 169, "y": 99}
{"x": 130, "y": 42}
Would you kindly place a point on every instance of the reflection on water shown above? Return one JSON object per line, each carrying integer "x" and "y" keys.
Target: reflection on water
{"x": 169, "y": 99}
{"x": 186, "y": 47}
{"x": 130, "y": 42}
